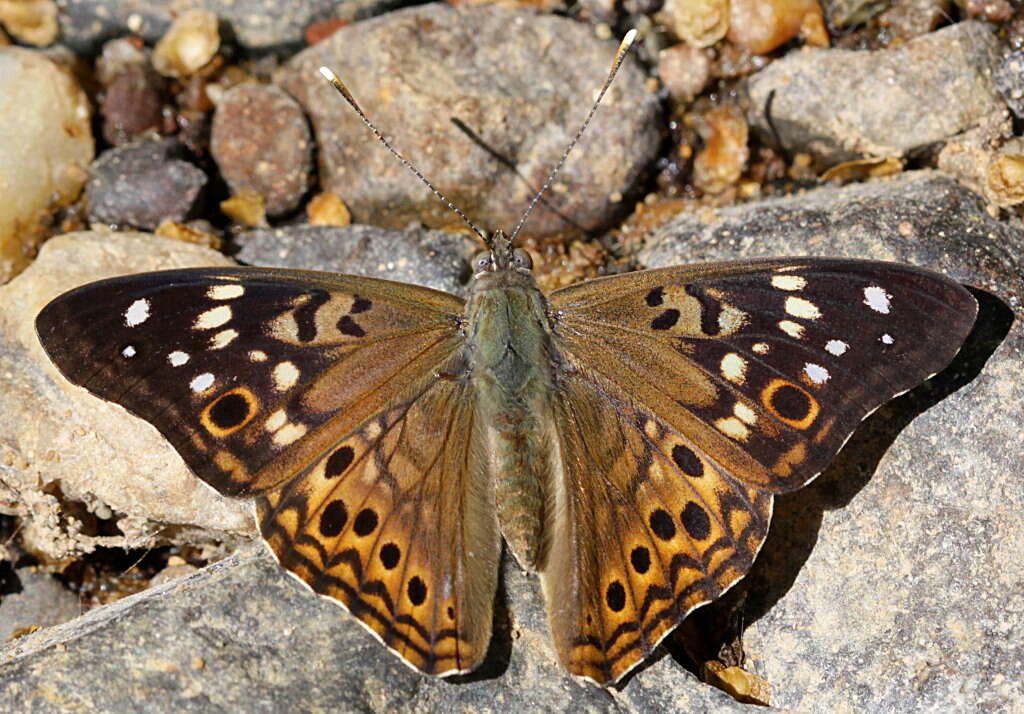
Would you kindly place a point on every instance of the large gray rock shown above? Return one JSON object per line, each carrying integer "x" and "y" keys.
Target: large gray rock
{"x": 842, "y": 104}
{"x": 243, "y": 636}
{"x": 521, "y": 82}
{"x": 895, "y": 581}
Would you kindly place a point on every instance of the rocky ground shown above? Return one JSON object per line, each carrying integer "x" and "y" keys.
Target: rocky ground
{"x": 135, "y": 138}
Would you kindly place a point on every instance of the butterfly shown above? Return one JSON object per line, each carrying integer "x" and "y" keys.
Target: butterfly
{"x": 624, "y": 436}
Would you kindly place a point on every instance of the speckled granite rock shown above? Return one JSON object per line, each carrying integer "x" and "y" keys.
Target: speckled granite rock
{"x": 895, "y": 582}
{"x": 843, "y": 104}
{"x": 243, "y": 636}
{"x": 522, "y": 82}
{"x": 432, "y": 258}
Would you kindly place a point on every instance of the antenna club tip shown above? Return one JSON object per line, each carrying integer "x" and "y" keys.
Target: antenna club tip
{"x": 629, "y": 38}
{"x": 328, "y": 74}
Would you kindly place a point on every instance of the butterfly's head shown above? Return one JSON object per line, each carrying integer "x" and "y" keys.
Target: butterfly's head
{"x": 502, "y": 256}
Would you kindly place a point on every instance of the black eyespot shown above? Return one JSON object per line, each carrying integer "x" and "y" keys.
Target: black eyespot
{"x": 687, "y": 461}
{"x": 333, "y": 519}
{"x": 365, "y": 523}
{"x": 790, "y": 403}
{"x": 641, "y": 559}
{"x": 338, "y": 462}
{"x": 229, "y": 411}
{"x": 695, "y": 521}
{"x": 662, "y": 525}
{"x": 417, "y": 590}
{"x": 451, "y": 612}
{"x": 360, "y": 304}
{"x": 390, "y": 554}
{"x": 615, "y": 596}
{"x": 656, "y": 297}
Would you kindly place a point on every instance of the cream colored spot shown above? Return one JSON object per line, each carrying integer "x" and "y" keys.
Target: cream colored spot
{"x": 137, "y": 313}
{"x": 731, "y": 319}
{"x": 761, "y": 348}
{"x": 178, "y": 358}
{"x": 128, "y": 352}
{"x": 225, "y": 292}
{"x": 734, "y": 368}
{"x": 285, "y": 375}
{"x": 877, "y": 299}
{"x": 288, "y": 434}
{"x": 734, "y": 428}
{"x": 744, "y": 413}
{"x": 275, "y": 421}
{"x": 788, "y": 282}
{"x": 798, "y": 307}
{"x": 887, "y": 339}
{"x": 223, "y": 339}
{"x": 373, "y": 430}
{"x": 201, "y": 382}
{"x": 836, "y": 347}
{"x": 214, "y": 317}
{"x": 793, "y": 329}
{"x": 816, "y": 373}
{"x": 258, "y": 356}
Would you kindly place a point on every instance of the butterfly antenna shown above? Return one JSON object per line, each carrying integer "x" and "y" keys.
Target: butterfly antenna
{"x": 620, "y": 57}
{"x": 331, "y": 77}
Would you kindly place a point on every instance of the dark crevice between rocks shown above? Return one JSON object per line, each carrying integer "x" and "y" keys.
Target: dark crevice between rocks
{"x": 108, "y": 574}
{"x": 797, "y": 518}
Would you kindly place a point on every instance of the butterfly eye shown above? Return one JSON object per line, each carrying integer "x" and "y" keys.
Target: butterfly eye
{"x": 483, "y": 263}
{"x": 521, "y": 260}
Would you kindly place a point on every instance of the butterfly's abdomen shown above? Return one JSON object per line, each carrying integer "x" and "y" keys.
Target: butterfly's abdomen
{"x": 510, "y": 363}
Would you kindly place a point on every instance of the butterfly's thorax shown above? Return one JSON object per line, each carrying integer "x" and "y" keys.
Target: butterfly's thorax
{"x": 510, "y": 358}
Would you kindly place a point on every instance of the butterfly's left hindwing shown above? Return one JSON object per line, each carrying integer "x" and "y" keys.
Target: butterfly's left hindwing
{"x": 251, "y": 374}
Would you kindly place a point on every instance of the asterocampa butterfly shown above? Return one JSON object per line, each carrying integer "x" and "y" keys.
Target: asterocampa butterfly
{"x": 624, "y": 436}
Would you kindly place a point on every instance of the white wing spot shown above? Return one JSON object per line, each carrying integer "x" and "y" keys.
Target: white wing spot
{"x": 128, "y": 352}
{"x": 178, "y": 358}
{"x": 201, "y": 382}
{"x": 734, "y": 368}
{"x": 877, "y": 299}
{"x": 225, "y": 292}
{"x": 734, "y": 428}
{"x": 762, "y": 348}
{"x": 137, "y": 312}
{"x": 788, "y": 282}
{"x": 258, "y": 356}
{"x": 214, "y": 317}
{"x": 288, "y": 433}
{"x": 887, "y": 339}
{"x": 816, "y": 373}
{"x": 744, "y": 413}
{"x": 793, "y": 329}
{"x": 836, "y": 347}
{"x": 798, "y": 307}
{"x": 286, "y": 375}
{"x": 275, "y": 421}
{"x": 223, "y": 339}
